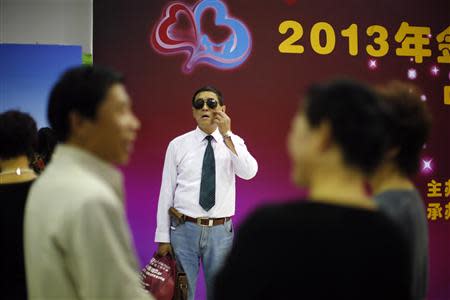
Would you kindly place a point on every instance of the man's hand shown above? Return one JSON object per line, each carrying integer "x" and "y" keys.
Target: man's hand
{"x": 223, "y": 121}
{"x": 164, "y": 249}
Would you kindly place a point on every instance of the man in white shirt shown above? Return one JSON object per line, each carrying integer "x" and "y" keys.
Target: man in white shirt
{"x": 199, "y": 181}
{"x": 77, "y": 241}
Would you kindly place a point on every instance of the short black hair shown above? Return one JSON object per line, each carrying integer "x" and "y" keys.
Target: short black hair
{"x": 18, "y": 134}
{"x": 409, "y": 122}
{"x": 80, "y": 90}
{"x": 208, "y": 88}
{"x": 46, "y": 143}
{"x": 356, "y": 116}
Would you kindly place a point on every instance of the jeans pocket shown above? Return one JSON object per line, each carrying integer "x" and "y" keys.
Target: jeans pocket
{"x": 228, "y": 226}
{"x": 174, "y": 223}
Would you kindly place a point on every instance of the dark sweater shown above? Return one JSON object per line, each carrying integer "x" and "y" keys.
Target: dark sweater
{"x": 13, "y": 197}
{"x": 406, "y": 209}
{"x": 307, "y": 250}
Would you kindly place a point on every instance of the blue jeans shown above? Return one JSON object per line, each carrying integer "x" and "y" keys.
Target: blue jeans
{"x": 192, "y": 243}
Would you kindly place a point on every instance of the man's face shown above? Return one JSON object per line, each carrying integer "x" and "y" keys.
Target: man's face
{"x": 112, "y": 133}
{"x": 205, "y": 115}
{"x": 302, "y": 150}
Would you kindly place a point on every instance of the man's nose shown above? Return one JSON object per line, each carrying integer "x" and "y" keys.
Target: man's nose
{"x": 135, "y": 122}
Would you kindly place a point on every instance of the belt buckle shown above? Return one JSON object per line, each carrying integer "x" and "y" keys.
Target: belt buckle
{"x": 210, "y": 222}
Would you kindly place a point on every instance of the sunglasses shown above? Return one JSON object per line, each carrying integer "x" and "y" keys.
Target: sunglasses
{"x": 199, "y": 103}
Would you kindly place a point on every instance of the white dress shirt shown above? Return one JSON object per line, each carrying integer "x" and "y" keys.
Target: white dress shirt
{"x": 77, "y": 241}
{"x": 182, "y": 175}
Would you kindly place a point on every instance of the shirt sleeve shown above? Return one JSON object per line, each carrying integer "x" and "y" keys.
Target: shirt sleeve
{"x": 166, "y": 196}
{"x": 244, "y": 164}
{"x": 102, "y": 263}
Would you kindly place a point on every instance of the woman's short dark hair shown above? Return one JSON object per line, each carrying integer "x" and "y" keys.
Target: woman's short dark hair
{"x": 46, "y": 143}
{"x": 18, "y": 134}
{"x": 80, "y": 90}
{"x": 409, "y": 122}
{"x": 356, "y": 117}
{"x": 208, "y": 88}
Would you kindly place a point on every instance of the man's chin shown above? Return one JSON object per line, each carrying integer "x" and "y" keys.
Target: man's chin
{"x": 299, "y": 180}
{"x": 206, "y": 121}
{"x": 209, "y": 125}
{"x": 122, "y": 159}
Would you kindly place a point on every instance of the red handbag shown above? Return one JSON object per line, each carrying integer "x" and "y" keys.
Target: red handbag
{"x": 159, "y": 277}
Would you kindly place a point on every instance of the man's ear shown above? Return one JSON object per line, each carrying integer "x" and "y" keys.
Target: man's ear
{"x": 224, "y": 108}
{"x": 392, "y": 153}
{"x": 325, "y": 139}
{"x": 77, "y": 125}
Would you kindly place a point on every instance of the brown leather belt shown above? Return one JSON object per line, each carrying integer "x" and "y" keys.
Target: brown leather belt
{"x": 207, "y": 221}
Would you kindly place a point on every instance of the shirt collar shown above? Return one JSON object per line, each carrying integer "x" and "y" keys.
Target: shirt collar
{"x": 201, "y": 134}
{"x": 88, "y": 161}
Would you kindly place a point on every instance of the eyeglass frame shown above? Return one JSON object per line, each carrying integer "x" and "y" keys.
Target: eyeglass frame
{"x": 210, "y": 102}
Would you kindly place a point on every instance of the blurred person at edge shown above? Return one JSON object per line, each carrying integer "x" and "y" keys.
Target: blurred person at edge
{"x": 77, "y": 240}
{"x": 45, "y": 146}
{"x": 409, "y": 123}
{"x": 18, "y": 136}
{"x": 335, "y": 244}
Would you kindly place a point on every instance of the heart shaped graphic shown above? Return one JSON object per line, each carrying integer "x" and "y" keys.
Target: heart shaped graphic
{"x": 168, "y": 37}
{"x": 207, "y": 34}
{"x": 217, "y": 34}
{"x": 183, "y": 29}
{"x": 228, "y": 54}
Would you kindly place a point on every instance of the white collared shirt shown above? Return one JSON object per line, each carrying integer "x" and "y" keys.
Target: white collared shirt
{"x": 182, "y": 175}
{"x": 77, "y": 240}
